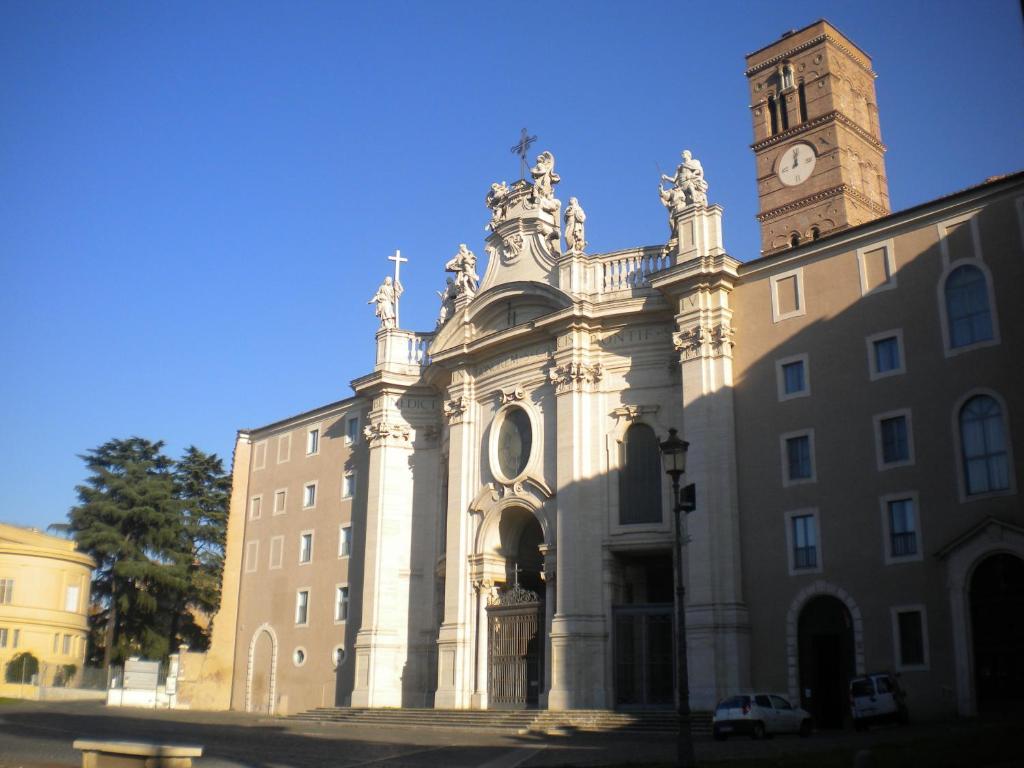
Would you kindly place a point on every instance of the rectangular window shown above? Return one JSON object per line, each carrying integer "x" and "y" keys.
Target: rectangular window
{"x": 348, "y": 485}
{"x": 71, "y": 599}
{"x": 798, "y": 458}
{"x": 792, "y": 377}
{"x": 910, "y": 635}
{"x": 895, "y": 446}
{"x": 309, "y": 495}
{"x": 302, "y": 607}
{"x": 255, "y": 507}
{"x": 280, "y": 502}
{"x": 66, "y": 645}
{"x": 902, "y": 528}
{"x": 885, "y": 354}
{"x": 341, "y": 604}
{"x": 252, "y": 553}
{"x": 284, "y": 448}
{"x": 305, "y": 547}
{"x": 788, "y": 295}
{"x": 17, "y": 637}
{"x": 344, "y": 541}
{"x": 352, "y": 430}
{"x": 805, "y": 542}
{"x": 56, "y": 642}
{"x": 313, "y": 441}
{"x": 276, "y": 551}
{"x": 259, "y": 460}
{"x": 6, "y": 591}
{"x": 3, "y": 637}
{"x": 877, "y": 268}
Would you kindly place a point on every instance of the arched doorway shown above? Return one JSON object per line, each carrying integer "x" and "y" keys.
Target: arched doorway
{"x": 515, "y": 619}
{"x": 262, "y": 678}
{"x": 997, "y": 629}
{"x": 826, "y": 659}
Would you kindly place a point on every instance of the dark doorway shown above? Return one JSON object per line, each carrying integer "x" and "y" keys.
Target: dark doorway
{"x": 825, "y": 648}
{"x": 997, "y": 627}
{"x": 643, "y": 649}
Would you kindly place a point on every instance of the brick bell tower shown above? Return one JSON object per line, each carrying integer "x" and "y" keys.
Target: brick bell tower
{"x": 817, "y": 145}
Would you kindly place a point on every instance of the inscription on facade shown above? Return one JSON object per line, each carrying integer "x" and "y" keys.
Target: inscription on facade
{"x": 534, "y": 354}
{"x": 629, "y": 336}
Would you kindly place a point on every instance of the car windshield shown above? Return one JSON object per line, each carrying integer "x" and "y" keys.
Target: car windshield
{"x": 862, "y": 687}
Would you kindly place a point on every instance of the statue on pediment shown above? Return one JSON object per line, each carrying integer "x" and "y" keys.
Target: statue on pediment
{"x": 544, "y": 177}
{"x": 689, "y": 179}
{"x": 448, "y": 296}
{"x": 497, "y": 201}
{"x": 463, "y": 264}
{"x": 574, "y": 231}
{"x": 386, "y": 299}
{"x": 674, "y": 200}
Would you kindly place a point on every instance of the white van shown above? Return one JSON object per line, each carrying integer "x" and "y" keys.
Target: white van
{"x": 877, "y": 698}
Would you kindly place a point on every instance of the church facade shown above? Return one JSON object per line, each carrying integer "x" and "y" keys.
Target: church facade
{"x": 485, "y": 523}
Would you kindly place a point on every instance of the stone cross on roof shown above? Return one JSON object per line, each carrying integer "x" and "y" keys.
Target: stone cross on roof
{"x": 521, "y": 149}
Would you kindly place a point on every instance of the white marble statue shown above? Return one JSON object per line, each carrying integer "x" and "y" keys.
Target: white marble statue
{"x": 463, "y": 264}
{"x": 497, "y": 201}
{"x": 689, "y": 178}
{"x": 448, "y": 296}
{"x": 575, "y": 240}
{"x": 386, "y": 299}
{"x": 544, "y": 176}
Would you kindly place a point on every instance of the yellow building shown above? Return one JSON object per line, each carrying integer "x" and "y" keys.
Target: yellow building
{"x": 44, "y": 600}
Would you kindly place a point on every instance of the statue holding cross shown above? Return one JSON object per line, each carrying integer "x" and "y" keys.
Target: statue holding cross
{"x": 387, "y": 295}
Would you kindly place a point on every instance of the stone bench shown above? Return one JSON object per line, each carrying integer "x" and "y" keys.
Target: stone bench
{"x": 135, "y": 754}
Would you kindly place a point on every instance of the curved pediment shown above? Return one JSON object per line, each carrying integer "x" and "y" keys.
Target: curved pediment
{"x": 496, "y": 309}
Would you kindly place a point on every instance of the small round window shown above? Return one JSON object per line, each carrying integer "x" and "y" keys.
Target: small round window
{"x": 338, "y": 656}
{"x": 299, "y": 657}
{"x": 515, "y": 438}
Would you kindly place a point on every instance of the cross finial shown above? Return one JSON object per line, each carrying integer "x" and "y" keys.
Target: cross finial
{"x": 516, "y": 570}
{"x": 525, "y": 140}
{"x": 397, "y": 258}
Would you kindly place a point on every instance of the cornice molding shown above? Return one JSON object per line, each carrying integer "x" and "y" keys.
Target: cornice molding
{"x": 840, "y": 46}
{"x": 817, "y": 197}
{"x": 834, "y": 116}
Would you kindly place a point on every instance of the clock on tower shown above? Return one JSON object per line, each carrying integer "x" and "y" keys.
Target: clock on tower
{"x": 818, "y": 148}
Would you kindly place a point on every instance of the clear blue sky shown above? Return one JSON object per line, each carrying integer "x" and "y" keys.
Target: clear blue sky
{"x": 197, "y": 199}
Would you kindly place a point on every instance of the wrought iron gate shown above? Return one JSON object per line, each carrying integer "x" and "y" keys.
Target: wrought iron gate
{"x": 515, "y": 649}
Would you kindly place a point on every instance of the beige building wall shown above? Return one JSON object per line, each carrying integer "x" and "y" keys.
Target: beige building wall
{"x": 44, "y": 600}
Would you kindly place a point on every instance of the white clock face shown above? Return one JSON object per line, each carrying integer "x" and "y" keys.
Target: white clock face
{"x": 796, "y": 163}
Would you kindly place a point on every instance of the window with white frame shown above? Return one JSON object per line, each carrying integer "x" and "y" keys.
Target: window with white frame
{"x": 309, "y": 495}
{"x": 344, "y": 540}
{"x": 983, "y": 449}
{"x": 313, "y": 441}
{"x": 341, "y": 603}
{"x": 885, "y": 354}
{"x": 792, "y": 377}
{"x": 255, "y": 507}
{"x": 71, "y": 598}
{"x": 276, "y": 551}
{"x": 284, "y": 448}
{"x": 252, "y": 553}
{"x": 6, "y": 591}
{"x": 802, "y": 541}
{"x": 302, "y": 607}
{"x": 259, "y": 459}
{"x": 352, "y": 430}
{"x": 299, "y": 656}
{"x": 798, "y": 457}
{"x": 894, "y": 440}
{"x": 910, "y": 637}
{"x": 900, "y": 523}
{"x": 877, "y": 268}
{"x": 788, "y": 295}
{"x": 66, "y": 645}
{"x": 968, "y": 314}
{"x": 280, "y": 501}
{"x": 348, "y": 485}
{"x": 305, "y": 546}
{"x": 3, "y": 637}
{"x": 17, "y": 637}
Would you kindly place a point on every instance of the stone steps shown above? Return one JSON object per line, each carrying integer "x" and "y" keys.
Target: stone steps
{"x": 542, "y": 721}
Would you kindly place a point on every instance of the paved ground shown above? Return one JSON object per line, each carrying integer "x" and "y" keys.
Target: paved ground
{"x": 39, "y": 735}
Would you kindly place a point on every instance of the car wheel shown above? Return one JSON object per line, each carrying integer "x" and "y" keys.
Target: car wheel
{"x": 805, "y": 728}
{"x": 758, "y": 731}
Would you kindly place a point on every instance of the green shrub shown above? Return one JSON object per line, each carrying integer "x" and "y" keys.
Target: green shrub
{"x": 21, "y": 668}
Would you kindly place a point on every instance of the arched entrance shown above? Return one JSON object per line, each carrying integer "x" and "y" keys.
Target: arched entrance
{"x": 262, "y": 676}
{"x": 826, "y": 659}
{"x": 997, "y": 629}
{"x": 515, "y": 617}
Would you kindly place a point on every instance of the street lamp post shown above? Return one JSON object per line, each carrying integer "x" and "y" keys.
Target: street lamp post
{"x": 673, "y": 457}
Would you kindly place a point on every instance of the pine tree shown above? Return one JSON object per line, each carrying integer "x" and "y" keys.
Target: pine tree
{"x": 202, "y": 490}
{"x": 128, "y": 519}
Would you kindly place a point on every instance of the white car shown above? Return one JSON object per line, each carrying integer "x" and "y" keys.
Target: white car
{"x": 759, "y": 715}
{"x": 877, "y": 698}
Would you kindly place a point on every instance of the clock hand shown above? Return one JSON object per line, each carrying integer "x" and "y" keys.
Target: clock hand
{"x": 796, "y": 157}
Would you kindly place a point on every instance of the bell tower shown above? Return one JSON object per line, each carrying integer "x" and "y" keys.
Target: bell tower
{"x": 817, "y": 145}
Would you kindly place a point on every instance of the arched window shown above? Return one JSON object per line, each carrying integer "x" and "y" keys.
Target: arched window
{"x": 794, "y": 240}
{"x": 967, "y": 310}
{"x": 802, "y": 94}
{"x": 815, "y": 233}
{"x": 983, "y": 446}
{"x": 640, "y": 478}
{"x": 773, "y": 114}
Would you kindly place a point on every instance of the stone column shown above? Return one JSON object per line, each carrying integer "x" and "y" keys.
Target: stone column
{"x": 483, "y": 589}
{"x": 381, "y": 645}
{"x": 455, "y": 667}
{"x": 578, "y": 631}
